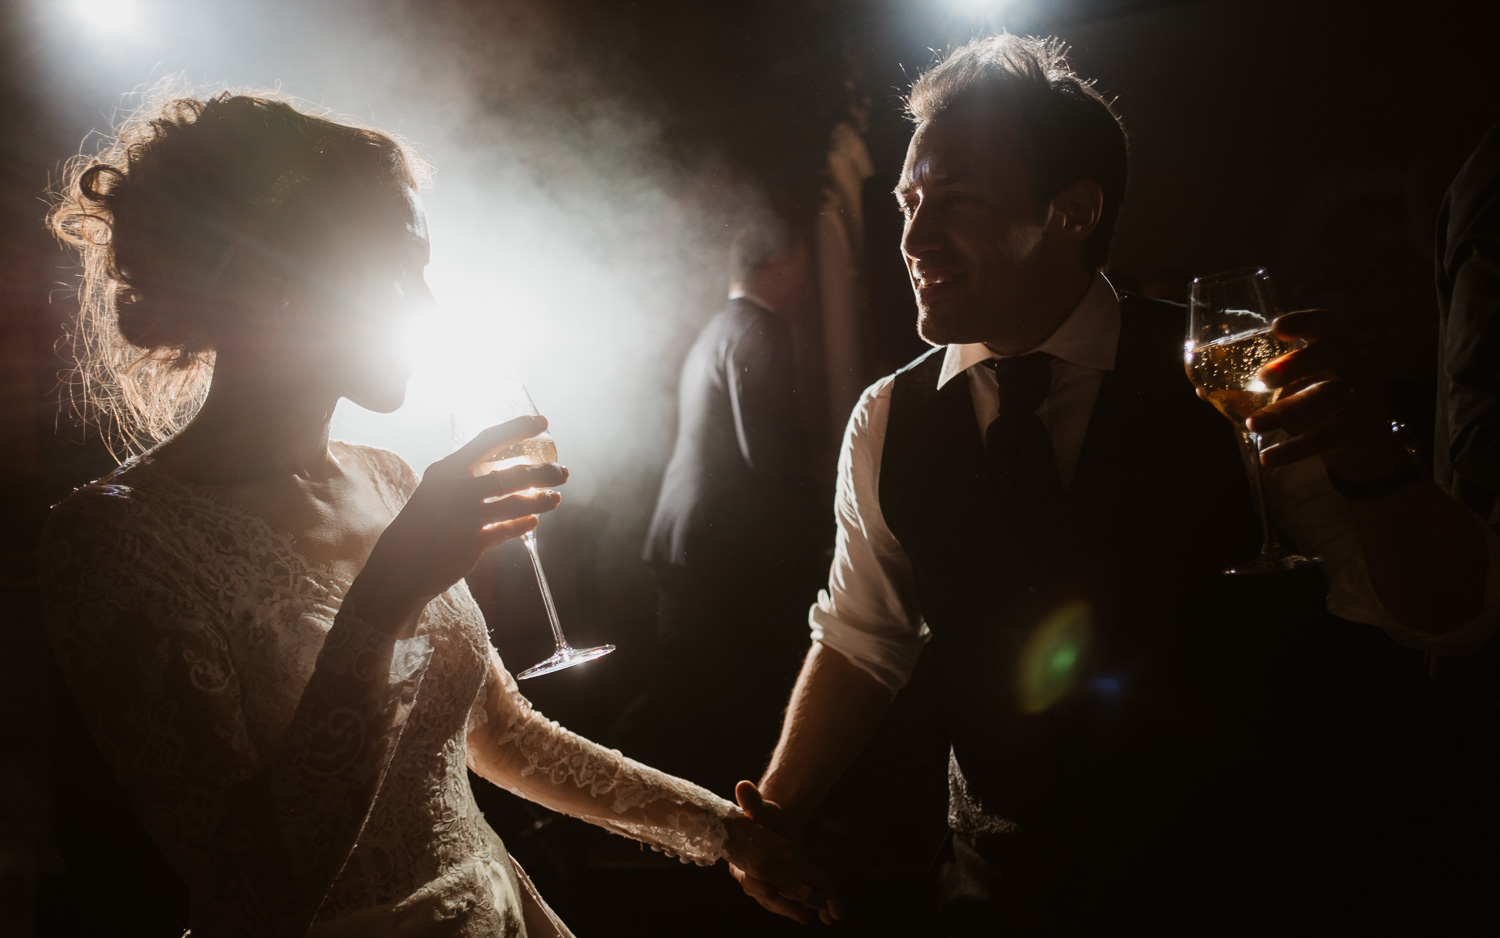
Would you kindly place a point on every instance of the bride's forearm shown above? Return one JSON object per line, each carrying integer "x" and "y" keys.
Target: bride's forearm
{"x": 541, "y": 761}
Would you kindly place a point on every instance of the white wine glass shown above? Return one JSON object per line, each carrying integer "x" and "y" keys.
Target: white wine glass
{"x": 506, "y": 399}
{"x": 1229, "y": 339}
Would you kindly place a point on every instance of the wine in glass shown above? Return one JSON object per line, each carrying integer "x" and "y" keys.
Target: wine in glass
{"x": 506, "y": 399}
{"x": 1229, "y": 339}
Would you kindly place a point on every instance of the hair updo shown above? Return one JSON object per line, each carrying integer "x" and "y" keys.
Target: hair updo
{"x": 190, "y": 210}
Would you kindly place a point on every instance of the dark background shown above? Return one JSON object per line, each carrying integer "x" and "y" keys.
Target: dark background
{"x": 621, "y": 140}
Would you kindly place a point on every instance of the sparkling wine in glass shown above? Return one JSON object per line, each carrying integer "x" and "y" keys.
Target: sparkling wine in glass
{"x": 1229, "y": 339}
{"x": 506, "y": 399}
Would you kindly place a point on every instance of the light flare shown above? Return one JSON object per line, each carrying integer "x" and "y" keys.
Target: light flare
{"x": 1053, "y": 659}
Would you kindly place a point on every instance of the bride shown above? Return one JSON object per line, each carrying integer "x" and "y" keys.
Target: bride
{"x": 267, "y": 631}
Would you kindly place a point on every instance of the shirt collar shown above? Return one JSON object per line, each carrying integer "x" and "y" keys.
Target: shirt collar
{"x": 1088, "y": 337}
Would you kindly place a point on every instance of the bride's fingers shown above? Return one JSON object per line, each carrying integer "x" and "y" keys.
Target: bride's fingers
{"x": 516, "y": 506}
{"x": 833, "y": 906}
{"x": 516, "y": 479}
{"x": 798, "y": 877}
{"x": 506, "y": 530}
{"x": 491, "y": 439}
{"x": 770, "y": 900}
{"x": 766, "y": 894}
{"x": 796, "y": 880}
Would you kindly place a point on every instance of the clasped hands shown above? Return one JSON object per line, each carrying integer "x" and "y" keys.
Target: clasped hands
{"x": 1331, "y": 404}
{"x": 771, "y": 869}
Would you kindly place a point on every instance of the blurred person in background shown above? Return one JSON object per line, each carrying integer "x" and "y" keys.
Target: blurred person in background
{"x": 267, "y": 631}
{"x": 736, "y": 543}
{"x": 1466, "y": 451}
{"x": 1468, "y": 274}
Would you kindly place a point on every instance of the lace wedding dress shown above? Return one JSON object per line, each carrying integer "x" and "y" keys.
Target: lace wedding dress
{"x": 301, "y": 772}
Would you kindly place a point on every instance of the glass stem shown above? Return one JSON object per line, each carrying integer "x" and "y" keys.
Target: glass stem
{"x": 529, "y": 538}
{"x": 1250, "y": 443}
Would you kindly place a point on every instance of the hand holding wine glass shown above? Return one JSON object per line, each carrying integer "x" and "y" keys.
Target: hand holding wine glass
{"x": 1330, "y": 402}
{"x": 451, "y": 519}
{"x": 507, "y": 399}
{"x": 1229, "y": 340}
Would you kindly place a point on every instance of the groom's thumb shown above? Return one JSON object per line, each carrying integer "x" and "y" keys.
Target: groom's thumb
{"x": 749, "y": 798}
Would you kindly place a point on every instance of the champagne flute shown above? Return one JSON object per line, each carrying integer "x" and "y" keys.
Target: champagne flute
{"x": 506, "y": 399}
{"x": 1229, "y": 339}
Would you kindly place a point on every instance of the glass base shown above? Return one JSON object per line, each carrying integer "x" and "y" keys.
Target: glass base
{"x": 565, "y": 657}
{"x": 1273, "y": 562}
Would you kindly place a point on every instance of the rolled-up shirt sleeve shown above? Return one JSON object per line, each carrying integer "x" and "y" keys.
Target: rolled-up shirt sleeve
{"x": 1305, "y": 505}
{"x": 869, "y": 613}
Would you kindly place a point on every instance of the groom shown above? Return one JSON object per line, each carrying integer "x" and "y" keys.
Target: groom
{"x": 1043, "y": 501}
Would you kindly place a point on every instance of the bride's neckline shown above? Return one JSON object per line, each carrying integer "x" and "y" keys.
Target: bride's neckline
{"x": 129, "y": 471}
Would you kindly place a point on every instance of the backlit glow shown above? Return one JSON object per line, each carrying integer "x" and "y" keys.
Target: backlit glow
{"x": 107, "y": 17}
{"x": 982, "y": 6}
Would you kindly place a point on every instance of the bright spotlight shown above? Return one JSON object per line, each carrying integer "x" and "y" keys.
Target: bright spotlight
{"x": 116, "y": 17}
{"x": 982, "y": 6}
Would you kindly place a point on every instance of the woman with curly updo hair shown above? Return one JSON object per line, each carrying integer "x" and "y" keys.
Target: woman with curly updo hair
{"x": 267, "y": 631}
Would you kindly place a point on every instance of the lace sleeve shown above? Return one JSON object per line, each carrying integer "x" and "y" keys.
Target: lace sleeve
{"x": 259, "y": 836}
{"x": 517, "y": 748}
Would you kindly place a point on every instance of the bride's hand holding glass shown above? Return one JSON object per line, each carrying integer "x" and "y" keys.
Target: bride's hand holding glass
{"x": 452, "y": 518}
{"x": 501, "y": 398}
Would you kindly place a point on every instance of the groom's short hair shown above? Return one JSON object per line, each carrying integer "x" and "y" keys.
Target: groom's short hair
{"x": 1069, "y": 131}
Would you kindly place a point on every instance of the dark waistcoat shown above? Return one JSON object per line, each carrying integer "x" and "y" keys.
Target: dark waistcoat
{"x": 1120, "y": 710}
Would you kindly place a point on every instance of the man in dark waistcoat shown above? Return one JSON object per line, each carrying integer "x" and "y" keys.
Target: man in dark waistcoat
{"x": 1043, "y": 497}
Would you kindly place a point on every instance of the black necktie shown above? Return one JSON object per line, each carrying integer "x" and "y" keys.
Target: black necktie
{"x": 1022, "y": 463}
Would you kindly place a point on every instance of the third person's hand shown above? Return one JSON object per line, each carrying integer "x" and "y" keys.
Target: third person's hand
{"x": 1331, "y": 403}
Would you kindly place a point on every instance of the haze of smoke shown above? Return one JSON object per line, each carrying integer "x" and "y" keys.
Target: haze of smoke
{"x": 568, "y": 247}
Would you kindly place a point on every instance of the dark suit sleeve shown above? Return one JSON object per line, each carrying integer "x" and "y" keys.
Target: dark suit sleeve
{"x": 1471, "y": 334}
{"x": 761, "y": 375}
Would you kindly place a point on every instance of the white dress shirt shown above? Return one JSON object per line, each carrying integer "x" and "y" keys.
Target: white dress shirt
{"x": 870, "y": 612}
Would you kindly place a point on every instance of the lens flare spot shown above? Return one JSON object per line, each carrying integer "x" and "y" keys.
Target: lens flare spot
{"x": 1052, "y": 660}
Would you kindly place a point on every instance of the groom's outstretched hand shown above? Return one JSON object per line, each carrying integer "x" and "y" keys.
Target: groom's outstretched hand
{"x": 770, "y": 868}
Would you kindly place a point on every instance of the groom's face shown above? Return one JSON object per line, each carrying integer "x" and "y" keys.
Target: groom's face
{"x": 976, "y": 236}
